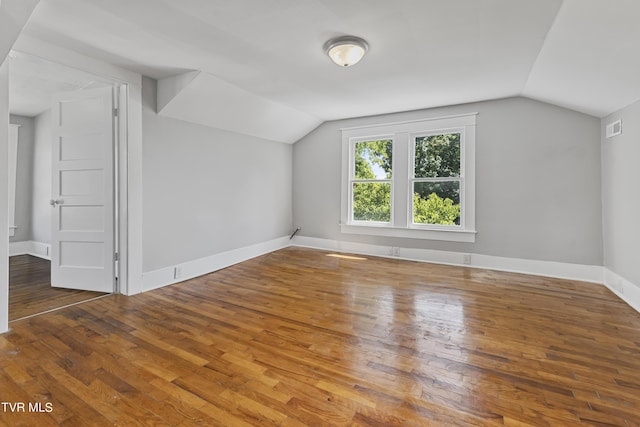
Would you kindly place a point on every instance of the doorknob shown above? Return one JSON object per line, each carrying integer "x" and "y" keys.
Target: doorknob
{"x": 55, "y": 202}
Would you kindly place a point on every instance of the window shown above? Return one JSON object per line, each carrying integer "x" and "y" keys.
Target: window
{"x": 436, "y": 183}
{"x": 412, "y": 179}
{"x": 371, "y": 181}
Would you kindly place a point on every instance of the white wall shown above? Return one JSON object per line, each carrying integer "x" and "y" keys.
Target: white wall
{"x": 208, "y": 191}
{"x": 24, "y": 173}
{"x": 621, "y": 196}
{"x": 537, "y": 182}
{"x": 41, "y": 181}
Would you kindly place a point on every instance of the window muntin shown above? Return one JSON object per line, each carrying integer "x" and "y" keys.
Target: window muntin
{"x": 436, "y": 181}
{"x": 371, "y": 180}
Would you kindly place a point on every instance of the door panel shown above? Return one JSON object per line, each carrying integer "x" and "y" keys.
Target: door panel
{"x": 85, "y": 182}
{"x": 81, "y": 147}
{"x": 81, "y": 218}
{"x": 82, "y": 249}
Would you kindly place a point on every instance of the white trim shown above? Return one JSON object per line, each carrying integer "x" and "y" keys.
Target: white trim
{"x": 30, "y": 247}
{"x": 188, "y": 270}
{"x": 585, "y": 273}
{"x": 451, "y": 235}
{"x": 558, "y": 270}
{"x": 4, "y": 188}
{"x": 626, "y": 290}
{"x": 20, "y": 248}
{"x": 419, "y": 121}
{"x": 131, "y": 243}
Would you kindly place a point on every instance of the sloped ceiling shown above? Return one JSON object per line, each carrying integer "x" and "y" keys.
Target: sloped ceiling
{"x": 13, "y": 15}
{"x": 205, "y": 99}
{"x": 257, "y": 66}
{"x": 589, "y": 61}
{"x": 34, "y": 81}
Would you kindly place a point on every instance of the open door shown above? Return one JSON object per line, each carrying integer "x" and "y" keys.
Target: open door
{"x": 82, "y": 233}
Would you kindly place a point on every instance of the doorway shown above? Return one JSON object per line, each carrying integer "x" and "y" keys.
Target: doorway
{"x": 30, "y": 290}
{"x": 34, "y": 83}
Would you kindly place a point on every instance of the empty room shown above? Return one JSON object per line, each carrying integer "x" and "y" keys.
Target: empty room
{"x": 319, "y": 213}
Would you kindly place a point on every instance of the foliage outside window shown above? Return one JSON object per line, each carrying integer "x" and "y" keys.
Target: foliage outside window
{"x": 371, "y": 185}
{"x": 436, "y": 179}
{"x": 411, "y": 179}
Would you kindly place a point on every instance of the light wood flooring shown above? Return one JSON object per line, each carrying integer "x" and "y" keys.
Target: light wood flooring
{"x": 30, "y": 290}
{"x": 301, "y": 337}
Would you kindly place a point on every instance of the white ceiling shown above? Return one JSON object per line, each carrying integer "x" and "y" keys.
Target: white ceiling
{"x": 34, "y": 81}
{"x": 264, "y": 58}
{"x": 589, "y": 61}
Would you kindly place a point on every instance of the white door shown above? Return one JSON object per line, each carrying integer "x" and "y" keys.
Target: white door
{"x": 82, "y": 234}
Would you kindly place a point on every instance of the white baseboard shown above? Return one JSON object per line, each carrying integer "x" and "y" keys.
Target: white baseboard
{"x": 559, "y": 270}
{"x": 586, "y": 273}
{"x": 167, "y": 276}
{"x": 30, "y": 247}
{"x": 19, "y": 248}
{"x": 628, "y": 291}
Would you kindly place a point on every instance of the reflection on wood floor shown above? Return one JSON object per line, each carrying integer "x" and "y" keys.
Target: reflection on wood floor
{"x": 301, "y": 338}
{"x": 30, "y": 290}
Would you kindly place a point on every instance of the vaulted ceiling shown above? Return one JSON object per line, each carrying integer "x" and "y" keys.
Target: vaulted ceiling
{"x": 257, "y": 66}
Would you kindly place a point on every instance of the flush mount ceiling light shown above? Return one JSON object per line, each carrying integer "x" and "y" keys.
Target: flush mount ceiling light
{"x": 346, "y": 50}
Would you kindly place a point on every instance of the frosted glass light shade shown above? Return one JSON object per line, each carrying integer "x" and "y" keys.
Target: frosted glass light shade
{"x": 346, "y": 51}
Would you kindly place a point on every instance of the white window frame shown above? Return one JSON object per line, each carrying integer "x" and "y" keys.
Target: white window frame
{"x": 403, "y": 135}
{"x": 413, "y": 179}
{"x": 352, "y": 178}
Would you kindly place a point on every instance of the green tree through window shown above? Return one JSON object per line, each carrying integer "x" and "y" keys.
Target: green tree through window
{"x": 371, "y": 187}
{"x": 436, "y": 184}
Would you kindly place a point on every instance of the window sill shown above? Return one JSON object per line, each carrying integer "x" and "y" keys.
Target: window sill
{"x": 465, "y": 236}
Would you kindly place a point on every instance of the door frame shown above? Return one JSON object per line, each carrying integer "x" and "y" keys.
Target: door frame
{"x": 129, "y": 151}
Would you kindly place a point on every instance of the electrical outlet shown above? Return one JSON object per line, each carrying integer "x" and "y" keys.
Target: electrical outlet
{"x": 466, "y": 259}
{"x": 395, "y": 251}
{"x": 177, "y": 272}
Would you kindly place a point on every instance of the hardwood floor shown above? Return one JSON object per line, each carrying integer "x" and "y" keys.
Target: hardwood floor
{"x": 30, "y": 290}
{"x": 301, "y": 337}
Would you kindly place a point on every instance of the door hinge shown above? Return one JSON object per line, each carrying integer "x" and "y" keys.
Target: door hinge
{"x": 115, "y": 112}
{"x": 116, "y": 256}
